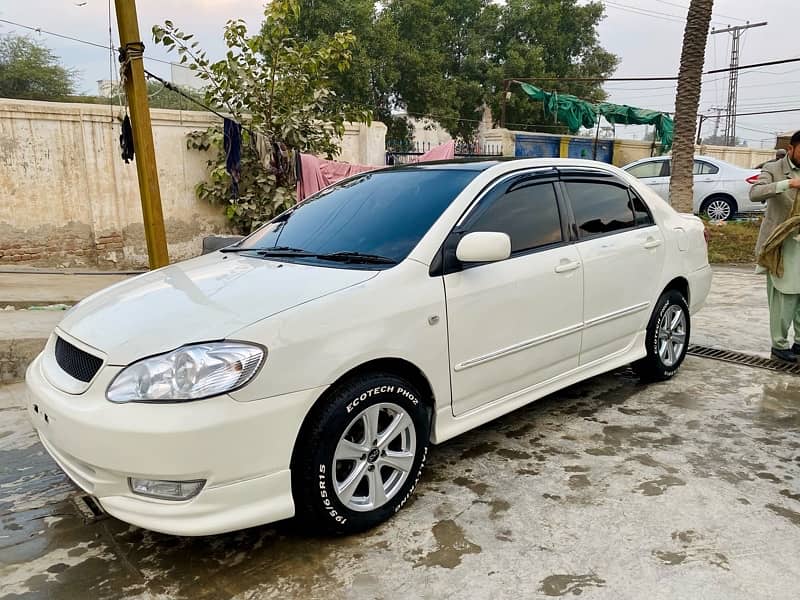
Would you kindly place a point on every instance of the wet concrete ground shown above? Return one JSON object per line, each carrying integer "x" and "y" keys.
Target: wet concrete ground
{"x": 610, "y": 489}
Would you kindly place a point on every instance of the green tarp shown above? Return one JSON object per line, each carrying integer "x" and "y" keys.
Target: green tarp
{"x": 576, "y": 113}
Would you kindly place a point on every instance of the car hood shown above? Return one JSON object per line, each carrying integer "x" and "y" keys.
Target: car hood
{"x": 203, "y": 299}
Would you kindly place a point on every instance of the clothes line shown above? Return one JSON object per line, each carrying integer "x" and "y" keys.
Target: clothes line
{"x": 318, "y": 173}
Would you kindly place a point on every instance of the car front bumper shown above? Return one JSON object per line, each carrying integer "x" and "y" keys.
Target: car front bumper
{"x": 242, "y": 449}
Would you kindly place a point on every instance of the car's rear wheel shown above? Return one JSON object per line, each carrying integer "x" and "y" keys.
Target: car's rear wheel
{"x": 667, "y": 338}
{"x": 719, "y": 208}
{"x": 361, "y": 455}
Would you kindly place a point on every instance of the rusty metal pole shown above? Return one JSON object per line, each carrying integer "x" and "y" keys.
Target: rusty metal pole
{"x": 144, "y": 149}
{"x": 504, "y": 101}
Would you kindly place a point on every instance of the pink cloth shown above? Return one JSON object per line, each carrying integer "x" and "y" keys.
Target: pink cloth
{"x": 444, "y": 151}
{"x": 317, "y": 173}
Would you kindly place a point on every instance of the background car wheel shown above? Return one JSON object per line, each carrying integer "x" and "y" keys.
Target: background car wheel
{"x": 719, "y": 208}
{"x": 360, "y": 456}
{"x": 667, "y": 338}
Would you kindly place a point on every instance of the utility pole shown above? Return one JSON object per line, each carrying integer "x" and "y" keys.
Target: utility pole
{"x": 716, "y": 121}
{"x": 733, "y": 77}
{"x": 132, "y": 50}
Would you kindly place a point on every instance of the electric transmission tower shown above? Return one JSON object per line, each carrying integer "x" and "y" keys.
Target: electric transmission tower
{"x": 733, "y": 78}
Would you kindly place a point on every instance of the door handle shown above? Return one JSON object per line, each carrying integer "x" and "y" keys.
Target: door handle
{"x": 566, "y": 267}
{"x": 652, "y": 243}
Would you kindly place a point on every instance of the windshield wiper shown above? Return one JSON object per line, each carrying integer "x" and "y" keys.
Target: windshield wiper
{"x": 345, "y": 257}
{"x": 270, "y": 251}
{"x": 358, "y": 257}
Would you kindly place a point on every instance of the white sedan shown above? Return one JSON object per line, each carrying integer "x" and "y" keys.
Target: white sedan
{"x": 306, "y": 370}
{"x": 721, "y": 190}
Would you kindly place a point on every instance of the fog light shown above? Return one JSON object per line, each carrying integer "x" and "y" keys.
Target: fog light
{"x": 166, "y": 490}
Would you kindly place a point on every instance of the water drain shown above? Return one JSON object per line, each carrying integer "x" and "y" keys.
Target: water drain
{"x": 89, "y": 508}
{"x": 747, "y": 360}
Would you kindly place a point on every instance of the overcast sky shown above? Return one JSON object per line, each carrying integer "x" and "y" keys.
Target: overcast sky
{"x": 645, "y": 34}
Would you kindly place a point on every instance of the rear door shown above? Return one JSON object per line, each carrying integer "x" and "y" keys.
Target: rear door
{"x": 655, "y": 174}
{"x": 622, "y": 252}
{"x": 707, "y": 180}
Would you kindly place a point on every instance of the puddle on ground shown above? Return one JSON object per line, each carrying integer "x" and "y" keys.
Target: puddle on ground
{"x": 657, "y": 487}
{"x": 477, "y": 487}
{"x": 560, "y": 585}
{"x": 452, "y": 545}
{"x": 786, "y": 513}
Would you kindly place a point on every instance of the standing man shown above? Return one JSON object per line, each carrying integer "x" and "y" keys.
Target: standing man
{"x": 779, "y": 255}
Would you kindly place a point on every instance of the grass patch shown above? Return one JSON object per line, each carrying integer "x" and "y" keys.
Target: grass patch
{"x": 732, "y": 242}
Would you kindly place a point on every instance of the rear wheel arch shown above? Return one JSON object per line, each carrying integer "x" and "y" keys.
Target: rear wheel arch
{"x": 679, "y": 284}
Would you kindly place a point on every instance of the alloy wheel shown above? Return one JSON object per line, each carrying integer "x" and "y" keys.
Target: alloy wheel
{"x": 672, "y": 335}
{"x": 719, "y": 210}
{"x": 374, "y": 456}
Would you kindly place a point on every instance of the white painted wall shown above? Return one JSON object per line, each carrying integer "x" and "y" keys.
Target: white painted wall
{"x": 68, "y": 199}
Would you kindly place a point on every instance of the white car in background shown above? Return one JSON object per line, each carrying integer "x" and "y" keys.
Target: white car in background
{"x": 305, "y": 370}
{"x": 721, "y": 190}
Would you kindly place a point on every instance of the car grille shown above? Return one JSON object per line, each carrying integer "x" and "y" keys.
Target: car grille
{"x": 77, "y": 363}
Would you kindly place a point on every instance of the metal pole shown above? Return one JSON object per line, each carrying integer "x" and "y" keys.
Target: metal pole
{"x": 503, "y": 102}
{"x": 136, "y": 91}
{"x": 596, "y": 137}
{"x": 700, "y": 127}
{"x": 733, "y": 78}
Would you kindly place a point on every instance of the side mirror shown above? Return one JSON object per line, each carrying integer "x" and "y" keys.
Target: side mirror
{"x": 484, "y": 246}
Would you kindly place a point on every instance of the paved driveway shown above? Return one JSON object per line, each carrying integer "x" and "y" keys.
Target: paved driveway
{"x": 610, "y": 489}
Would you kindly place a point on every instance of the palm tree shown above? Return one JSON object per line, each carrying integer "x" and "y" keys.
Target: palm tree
{"x": 687, "y": 101}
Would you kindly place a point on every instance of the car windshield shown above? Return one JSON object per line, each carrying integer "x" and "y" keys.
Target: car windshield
{"x": 375, "y": 218}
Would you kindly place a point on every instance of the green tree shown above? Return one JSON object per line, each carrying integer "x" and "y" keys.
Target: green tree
{"x": 31, "y": 71}
{"x": 370, "y": 82}
{"x": 279, "y": 89}
{"x": 448, "y": 58}
{"x": 548, "y": 39}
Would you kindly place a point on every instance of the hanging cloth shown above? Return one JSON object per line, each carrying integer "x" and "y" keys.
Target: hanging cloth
{"x": 232, "y": 144}
{"x": 126, "y": 140}
{"x": 771, "y": 256}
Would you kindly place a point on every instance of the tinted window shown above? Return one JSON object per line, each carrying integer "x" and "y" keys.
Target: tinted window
{"x": 384, "y": 213}
{"x": 641, "y": 213}
{"x": 648, "y": 169}
{"x": 527, "y": 212}
{"x": 704, "y": 168}
{"x": 600, "y": 207}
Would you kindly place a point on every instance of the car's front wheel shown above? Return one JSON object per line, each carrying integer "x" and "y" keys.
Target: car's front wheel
{"x": 358, "y": 460}
{"x": 667, "y": 338}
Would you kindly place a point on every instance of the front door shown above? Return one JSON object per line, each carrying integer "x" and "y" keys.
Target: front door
{"x": 622, "y": 250}
{"x": 515, "y": 323}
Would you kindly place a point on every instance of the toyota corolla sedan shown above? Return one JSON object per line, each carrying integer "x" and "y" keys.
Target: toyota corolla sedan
{"x": 721, "y": 190}
{"x": 307, "y": 369}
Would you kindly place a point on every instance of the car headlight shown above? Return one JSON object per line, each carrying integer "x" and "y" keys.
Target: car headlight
{"x": 188, "y": 373}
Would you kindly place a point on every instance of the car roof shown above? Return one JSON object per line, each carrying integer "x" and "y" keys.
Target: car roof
{"x": 458, "y": 164}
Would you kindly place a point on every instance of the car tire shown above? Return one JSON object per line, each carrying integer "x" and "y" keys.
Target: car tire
{"x": 344, "y": 482}
{"x": 667, "y": 338}
{"x": 719, "y": 208}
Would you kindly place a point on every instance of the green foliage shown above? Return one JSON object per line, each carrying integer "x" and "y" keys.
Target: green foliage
{"x": 448, "y": 58}
{"x": 30, "y": 71}
{"x": 260, "y": 196}
{"x": 276, "y": 86}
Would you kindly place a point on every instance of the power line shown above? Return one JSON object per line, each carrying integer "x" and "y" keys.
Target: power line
{"x": 73, "y": 39}
{"x": 646, "y": 13}
{"x": 687, "y": 8}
